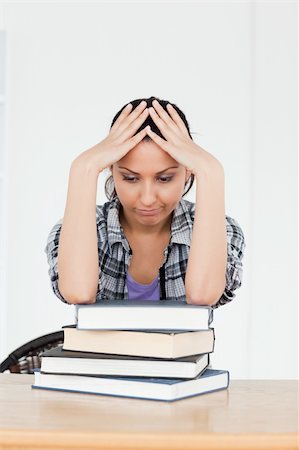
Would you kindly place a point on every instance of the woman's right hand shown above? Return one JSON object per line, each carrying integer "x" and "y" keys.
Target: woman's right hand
{"x": 119, "y": 141}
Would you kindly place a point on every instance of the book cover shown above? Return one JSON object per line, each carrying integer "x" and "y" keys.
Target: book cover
{"x": 146, "y": 343}
{"x": 57, "y": 360}
{"x": 143, "y": 314}
{"x": 163, "y": 389}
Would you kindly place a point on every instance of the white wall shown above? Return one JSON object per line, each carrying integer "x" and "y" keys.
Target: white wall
{"x": 231, "y": 67}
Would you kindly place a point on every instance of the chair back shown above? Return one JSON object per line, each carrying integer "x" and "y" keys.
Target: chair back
{"x": 27, "y": 357}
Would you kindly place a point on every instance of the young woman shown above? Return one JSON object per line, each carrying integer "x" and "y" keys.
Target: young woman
{"x": 146, "y": 242}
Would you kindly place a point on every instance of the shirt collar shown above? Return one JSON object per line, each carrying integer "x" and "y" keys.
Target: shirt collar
{"x": 181, "y": 226}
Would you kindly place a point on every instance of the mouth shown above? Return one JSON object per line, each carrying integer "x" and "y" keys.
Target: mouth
{"x": 149, "y": 212}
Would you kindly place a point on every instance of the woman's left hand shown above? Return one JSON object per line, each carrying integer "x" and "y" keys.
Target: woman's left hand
{"x": 178, "y": 143}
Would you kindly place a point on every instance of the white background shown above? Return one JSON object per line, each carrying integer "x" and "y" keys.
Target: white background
{"x": 231, "y": 66}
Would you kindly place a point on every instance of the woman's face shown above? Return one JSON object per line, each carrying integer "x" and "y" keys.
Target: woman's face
{"x": 143, "y": 183}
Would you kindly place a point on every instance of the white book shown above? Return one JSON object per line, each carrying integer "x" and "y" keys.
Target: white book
{"x": 166, "y": 389}
{"x": 145, "y": 314}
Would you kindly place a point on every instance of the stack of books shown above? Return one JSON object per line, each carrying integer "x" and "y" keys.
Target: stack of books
{"x": 157, "y": 350}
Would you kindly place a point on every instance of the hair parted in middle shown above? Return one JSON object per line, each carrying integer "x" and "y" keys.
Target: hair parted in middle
{"x": 109, "y": 184}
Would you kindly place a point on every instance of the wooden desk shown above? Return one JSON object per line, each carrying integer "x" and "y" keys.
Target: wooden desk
{"x": 255, "y": 414}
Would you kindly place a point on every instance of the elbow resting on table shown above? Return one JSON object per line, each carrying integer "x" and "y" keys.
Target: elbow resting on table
{"x": 76, "y": 298}
{"x": 79, "y": 300}
{"x": 201, "y": 301}
{"x": 204, "y": 300}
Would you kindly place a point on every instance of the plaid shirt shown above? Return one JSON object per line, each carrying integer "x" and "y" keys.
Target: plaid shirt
{"x": 115, "y": 254}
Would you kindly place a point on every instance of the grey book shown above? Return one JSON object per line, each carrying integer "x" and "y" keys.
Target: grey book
{"x": 57, "y": 360}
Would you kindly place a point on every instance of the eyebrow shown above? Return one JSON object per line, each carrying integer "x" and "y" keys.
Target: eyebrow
{"x": 136, "y": 173}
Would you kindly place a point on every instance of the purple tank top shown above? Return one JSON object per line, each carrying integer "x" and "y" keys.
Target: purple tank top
{"x": 138, "y": 291}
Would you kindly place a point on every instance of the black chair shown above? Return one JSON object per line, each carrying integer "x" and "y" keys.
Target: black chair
{"x": 27, "y": 357}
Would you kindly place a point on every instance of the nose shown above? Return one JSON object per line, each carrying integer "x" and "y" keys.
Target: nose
{"x": 148, "y": 195}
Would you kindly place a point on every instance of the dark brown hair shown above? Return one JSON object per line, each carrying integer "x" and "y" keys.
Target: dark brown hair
{"x": 109, "y": 184}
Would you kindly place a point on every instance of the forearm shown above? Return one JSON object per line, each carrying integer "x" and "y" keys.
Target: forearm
{"x": 206, "y": 269}
{"x": 78, "y": 266}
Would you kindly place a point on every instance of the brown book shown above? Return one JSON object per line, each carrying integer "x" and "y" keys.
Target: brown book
{"x": 168, "y": 344}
